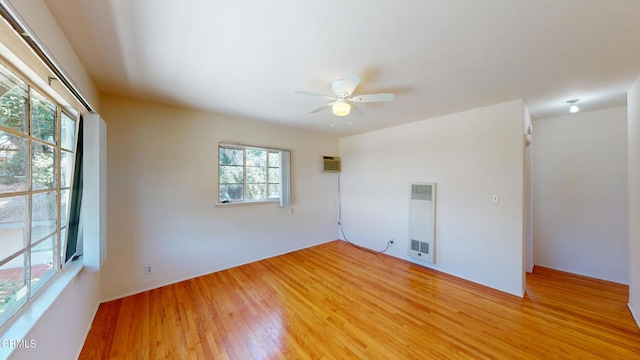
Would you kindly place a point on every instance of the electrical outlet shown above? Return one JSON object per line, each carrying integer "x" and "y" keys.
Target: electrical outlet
{"x": 148, "y": 269}
{"x": 391, "y": 241}
{"x": 495, "y": 198}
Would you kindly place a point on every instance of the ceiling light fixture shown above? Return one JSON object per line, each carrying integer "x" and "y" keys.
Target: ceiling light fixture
{"x": 573, "y": 108}
{"x": 341, "y": 108}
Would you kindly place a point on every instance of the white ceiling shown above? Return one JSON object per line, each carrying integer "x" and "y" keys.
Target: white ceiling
{"x": 247, "y": 58}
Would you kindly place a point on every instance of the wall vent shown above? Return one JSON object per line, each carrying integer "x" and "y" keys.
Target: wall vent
{"x": 422, "y": 215}
{"x": 330, "y": 164}
{"x": 421, "y": 192}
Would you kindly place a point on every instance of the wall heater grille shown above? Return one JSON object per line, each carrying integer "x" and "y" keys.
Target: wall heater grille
{"x": 422, "y": 216}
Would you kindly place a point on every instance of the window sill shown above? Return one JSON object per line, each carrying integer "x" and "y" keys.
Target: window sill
{"x": 23, "y": 321}
{"x": 242, "y": 203}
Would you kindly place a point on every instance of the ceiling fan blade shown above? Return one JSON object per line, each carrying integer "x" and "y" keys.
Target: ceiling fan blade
{"x": 323, "y": 107}
{"x": 355, "y": 111}
{"x": 349, "y": 84}
{"x": 372, "y": 98}
{"x": 302, "y": 92}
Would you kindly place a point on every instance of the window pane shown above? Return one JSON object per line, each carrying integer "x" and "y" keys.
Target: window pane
{"x": 67, "y": 132}
{"x": 63, "y": 244}
{"x": 13, "y": 167}
{"x": 42, "y": 171}
{"x": 274, "y": 159}
{"x": 231, "y": 175}
{"x": 13, "y": 287}
{"x": 13, "y": 101}
{"x": 256, "y": 158}
{"x": 42, "y": 269}
{"x": 256, "y": 175}
{"x": 231, "y": 192}
{"x": 252, "y": 178}
{"x": 274, "y": 191}
{"x": 231, "y": 157}
{"x": 274, "y": 175}
{"x": 66, "y": 168}
{"x": 256, "y": 191}
{"x": 13, "y": 212}
{"x": 43, "y": 118}
{"x": 64, "y": 206}
{"x": 43, "y": 217}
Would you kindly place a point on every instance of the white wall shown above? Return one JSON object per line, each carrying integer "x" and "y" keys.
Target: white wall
{"x": 470, "y": 155}
{"x": 162, "y": 186}
{"x": 61, "y": 331}
{"x": 580, "y": 194}
{"x": 94, "y": 193}
{"x": 633, "y": 139}
{"x": 528, "y": 192}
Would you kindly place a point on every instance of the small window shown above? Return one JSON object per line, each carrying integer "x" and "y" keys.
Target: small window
{"x": 249, "y": 174}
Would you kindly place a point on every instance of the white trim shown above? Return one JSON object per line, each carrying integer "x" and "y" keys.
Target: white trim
{"x": 633, "y": 314}
{"x": 250, "y": 202}
{"x": 243, "y": 146}
{"x": 19, "y": 326}
{"x": 285, "y": 178}
{"x": 166, "y": 282}
{"x": 16, "y": 65}
{"x": 86, "y": 332}
{"x": 31, "y": 40}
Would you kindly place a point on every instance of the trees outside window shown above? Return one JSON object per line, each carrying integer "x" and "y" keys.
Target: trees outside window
{"x": 36, "y": 157}
{"x": 248, "y": 174}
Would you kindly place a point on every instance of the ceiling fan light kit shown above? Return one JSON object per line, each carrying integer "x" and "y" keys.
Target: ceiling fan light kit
{"x": 341, "y": 108}
{"x": 573, "y": 106}
{"x": 342, "y": 102}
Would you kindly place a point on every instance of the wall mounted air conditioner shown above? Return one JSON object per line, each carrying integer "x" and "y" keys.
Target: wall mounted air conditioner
{"x": 330, "y": 164}
{"x": 422, "y": 221}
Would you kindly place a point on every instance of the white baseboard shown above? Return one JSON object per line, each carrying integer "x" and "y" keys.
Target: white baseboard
{"x": 86, "y": 333}
{"x": 634, "y": 315}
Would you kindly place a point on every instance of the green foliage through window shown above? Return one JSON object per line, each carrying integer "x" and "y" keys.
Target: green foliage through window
{"x": 248, "y": 174}
{"x": 37, "y": 144}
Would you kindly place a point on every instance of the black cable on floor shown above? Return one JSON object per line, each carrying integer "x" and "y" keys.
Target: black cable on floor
{"x": 345, "y": 236}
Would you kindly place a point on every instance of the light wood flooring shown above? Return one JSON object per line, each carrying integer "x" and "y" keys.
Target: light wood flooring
{"x": 334, "y": 301}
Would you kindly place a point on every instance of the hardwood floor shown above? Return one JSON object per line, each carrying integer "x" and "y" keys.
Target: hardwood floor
{"x": 334, "y": 301}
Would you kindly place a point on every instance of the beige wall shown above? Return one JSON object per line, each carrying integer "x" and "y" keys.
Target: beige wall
{"x": 580, "y": 194}
{"x": 471, "y": 156}
{"x": 633, "y": 143}
{"x": 162, "y": 186}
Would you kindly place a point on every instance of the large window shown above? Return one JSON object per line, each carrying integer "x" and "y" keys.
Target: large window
{"x": 248, "y": 174}
{"x": 37, "y": 140}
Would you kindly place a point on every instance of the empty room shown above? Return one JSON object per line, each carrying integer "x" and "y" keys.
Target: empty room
{"x": 438, "y": 179}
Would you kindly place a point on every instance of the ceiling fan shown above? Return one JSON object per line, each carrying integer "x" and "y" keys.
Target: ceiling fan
{"x": 342, "y": 100}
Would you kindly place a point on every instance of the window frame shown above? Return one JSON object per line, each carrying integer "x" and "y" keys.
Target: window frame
{"x": 244, "y": 200}
{"x": 29, "y": 244}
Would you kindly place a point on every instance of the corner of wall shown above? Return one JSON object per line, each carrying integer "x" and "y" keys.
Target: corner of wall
{"x": 476, "y": 239}
{"x": 633, "y": 161}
